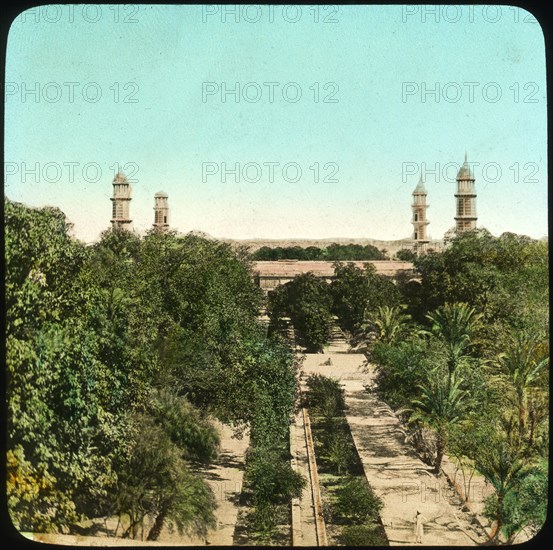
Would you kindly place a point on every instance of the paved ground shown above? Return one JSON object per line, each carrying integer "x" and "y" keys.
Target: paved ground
{"x": 224, "y": 476}
{"x": 303, "y": 514}
{"x": 77, "y": 540}
{"x": 402, "y": 480}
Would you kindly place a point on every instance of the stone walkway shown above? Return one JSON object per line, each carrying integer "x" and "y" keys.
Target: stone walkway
{"x": 303, "y": 513}
{"x": 396, "y": 474}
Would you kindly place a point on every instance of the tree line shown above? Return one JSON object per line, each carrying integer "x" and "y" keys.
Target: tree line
{"x": 333, "y": 252}
{"x": 119, "y": 356}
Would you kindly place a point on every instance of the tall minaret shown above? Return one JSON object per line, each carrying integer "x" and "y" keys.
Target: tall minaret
{"x": 465, "y": 220}
{"x": 419, "y": 220}
{"x": 161, "y": 211}
{"x": 121, "y": 202}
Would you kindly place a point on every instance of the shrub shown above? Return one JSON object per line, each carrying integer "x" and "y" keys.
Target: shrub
{"x": 361, "y": 535}
{"x": 263, "y": 518}
{"x": 271, "y": 477}
{"x": 339, "y": 452}
{"x": 356, "y": 502}
{"x": 326, "y": 396}
{"x": 401, "y": 367}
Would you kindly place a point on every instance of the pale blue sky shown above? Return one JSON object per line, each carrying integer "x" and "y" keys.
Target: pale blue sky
{"x": 160, "y": 56}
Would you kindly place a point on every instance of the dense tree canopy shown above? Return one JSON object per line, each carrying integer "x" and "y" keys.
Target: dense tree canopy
{"x": 357, "y": 292}
{"x": 307, "y": 302}
{"x": 489, "y": 273}
{"x": 118, "y": 356}
{"x": 313, "y": 305}
{"x": 333, "y": 252}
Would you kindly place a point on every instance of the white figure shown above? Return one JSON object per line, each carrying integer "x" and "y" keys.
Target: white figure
{"x": 420, "y": 520}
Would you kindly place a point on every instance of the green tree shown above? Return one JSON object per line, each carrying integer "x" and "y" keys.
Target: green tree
{"x": 306, "y": 300}
{"x": 156, "y": 481}
{"x": 521, "y": 366}
{"x": 351, "y": 293}
{"x": 334, "y": 252}
{"x": 489, "y": 273}
{"x": 277, "y": 310}
{"x": 525, "y": 507}
{"x": 103, "y": 343}
{"x": 503, "y": 468}
{"x": 185, "y": 425}
{"x": 62, "y": 432}
{"x": 406, "y": 255}
{"x": 269, "y": 474}
{"x": 457, "y": 326}
{"x": 439, "y": 407}
{"x": 358, "y": 292}
{"x": 390, "y": 323}
{"x": 465, "y": 441}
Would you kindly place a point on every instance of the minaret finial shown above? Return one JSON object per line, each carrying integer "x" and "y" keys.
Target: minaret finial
{"x": 420, "y": 186}
{"x": 465, "y": 156}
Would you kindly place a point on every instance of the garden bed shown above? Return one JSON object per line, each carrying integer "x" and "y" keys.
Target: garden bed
{"x": 350, "y": 508}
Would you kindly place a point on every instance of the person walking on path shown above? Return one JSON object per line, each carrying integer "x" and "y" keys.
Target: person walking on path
{"x": 420, "y": 520}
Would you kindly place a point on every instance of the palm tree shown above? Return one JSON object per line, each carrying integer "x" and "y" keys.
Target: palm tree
{"x": 456, "y": 325}
{"x": 520, "y": 367}
{"x": 440, "y": 406}
{"x": 389, "y": 323}
{"x": 503, "y": 468}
